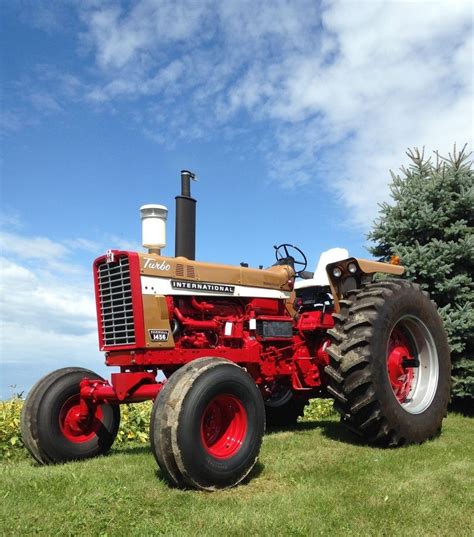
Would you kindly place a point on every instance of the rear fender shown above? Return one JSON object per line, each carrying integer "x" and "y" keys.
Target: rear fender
{"x": 348, "y": 281}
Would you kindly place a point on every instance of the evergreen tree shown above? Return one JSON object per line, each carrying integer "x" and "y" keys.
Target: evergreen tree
{"x": 430, "y": 227}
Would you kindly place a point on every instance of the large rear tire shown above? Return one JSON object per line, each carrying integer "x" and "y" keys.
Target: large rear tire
{"x": 48, "y": 428}
{"x": 390, "y": 369}
{"x": 207, "y": 427}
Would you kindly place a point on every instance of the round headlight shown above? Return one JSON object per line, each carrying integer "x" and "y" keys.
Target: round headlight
{"x": 336, "y": 272}
{"x": 352, "y": 268}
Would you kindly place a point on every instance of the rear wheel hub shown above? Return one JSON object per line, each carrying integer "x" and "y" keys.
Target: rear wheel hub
{"x": 412, "y": 364}
{"x": 400, "y": 363}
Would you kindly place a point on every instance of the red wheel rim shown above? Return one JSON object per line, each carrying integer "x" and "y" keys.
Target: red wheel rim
{"x": 74, "y": 428}
{"x": 224, "y": 426}
{"x": 401, "y": 377}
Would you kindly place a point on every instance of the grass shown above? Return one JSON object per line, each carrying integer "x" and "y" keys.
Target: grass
{"x": 312, "y": 480}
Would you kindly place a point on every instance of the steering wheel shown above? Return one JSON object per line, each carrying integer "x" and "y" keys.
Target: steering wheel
{"x": 287, "y": 249}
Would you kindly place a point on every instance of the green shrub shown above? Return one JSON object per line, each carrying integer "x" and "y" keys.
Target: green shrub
{"x": 318, "y": 409}
{"x": 134, "y": 422}
{"x": 10, "y": 437}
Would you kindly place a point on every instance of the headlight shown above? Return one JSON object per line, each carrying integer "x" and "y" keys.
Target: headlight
{"x": 352, "y": 268}
{"x": 336, "y": 272}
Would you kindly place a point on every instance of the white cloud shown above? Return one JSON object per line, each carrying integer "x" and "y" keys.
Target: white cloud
{"x": 85, "y": 244}
{"x": 46, "y": 300}
{"x": 44, "y": 102}
{"x": 124, "y": 39}
{"x": 31, "y": 247}
{"x": 47, "y": 347}
{"x": 36, "y": 295}
{"x": 343, "y": 87}
{"x": 47, "y": 312}
{"x": 10, "y": 218}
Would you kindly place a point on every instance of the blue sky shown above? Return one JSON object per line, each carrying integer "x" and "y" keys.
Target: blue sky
{"x": 291, "y": 114}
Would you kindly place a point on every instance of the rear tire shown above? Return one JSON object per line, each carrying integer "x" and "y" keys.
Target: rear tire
{"x": 390, "y": 370}
{"x": 45, "y": 426}
{"x": 207, "y": 427}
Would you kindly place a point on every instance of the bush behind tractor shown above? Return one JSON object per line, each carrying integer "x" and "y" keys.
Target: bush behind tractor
{"x": 223, "y": 350}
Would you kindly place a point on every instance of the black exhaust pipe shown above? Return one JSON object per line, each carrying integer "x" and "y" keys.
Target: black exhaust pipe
{"x": 185, "y": 235}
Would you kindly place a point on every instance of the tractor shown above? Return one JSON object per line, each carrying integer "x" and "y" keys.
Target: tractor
{"x": 224, "y": 350}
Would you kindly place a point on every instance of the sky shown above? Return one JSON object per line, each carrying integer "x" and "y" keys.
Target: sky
{"x": 292, "y": 114}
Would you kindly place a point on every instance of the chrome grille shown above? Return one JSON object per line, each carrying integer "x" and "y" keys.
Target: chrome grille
{"x": 116, "y": 309}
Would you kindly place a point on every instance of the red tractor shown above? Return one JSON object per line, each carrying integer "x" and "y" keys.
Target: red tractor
{"x": 222, "y": 350}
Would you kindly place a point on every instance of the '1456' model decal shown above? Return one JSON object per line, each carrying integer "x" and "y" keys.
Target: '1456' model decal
{"x": 158, "y": 335}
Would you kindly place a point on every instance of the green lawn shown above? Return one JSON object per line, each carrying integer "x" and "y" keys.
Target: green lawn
{"x": 313, "y": 480}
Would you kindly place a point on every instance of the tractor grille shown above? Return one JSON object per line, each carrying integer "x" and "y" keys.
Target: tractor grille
{"x": 115, "y": 294}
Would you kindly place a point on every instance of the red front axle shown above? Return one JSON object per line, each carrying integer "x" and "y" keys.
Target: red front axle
{"x": 125, "y": 388}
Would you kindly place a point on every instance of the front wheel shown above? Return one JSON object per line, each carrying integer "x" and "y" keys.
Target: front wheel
{"x": 50, "y": 427}
{"x": 207, "y": 425}
{"x": 390, "y": 370}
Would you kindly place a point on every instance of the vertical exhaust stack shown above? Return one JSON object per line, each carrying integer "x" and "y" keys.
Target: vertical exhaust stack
{"x": 185, "y": 238}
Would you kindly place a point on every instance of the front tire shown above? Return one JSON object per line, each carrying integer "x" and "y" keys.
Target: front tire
{"x": 390, "y": 370}
{"x": 162, "y": 417}
{"x": 207, "y": 427}
{"x": 48, "y": 428}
